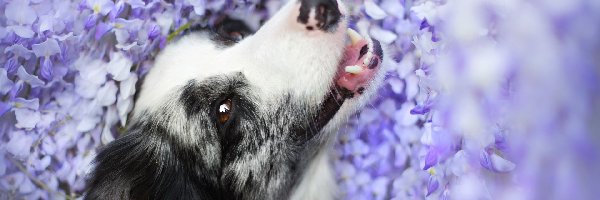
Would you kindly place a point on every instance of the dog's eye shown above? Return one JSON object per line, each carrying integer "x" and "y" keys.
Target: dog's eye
{"x": 224, "y": 111}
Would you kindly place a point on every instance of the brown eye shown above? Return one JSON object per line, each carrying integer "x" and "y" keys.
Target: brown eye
{"x": 224, "y": 111}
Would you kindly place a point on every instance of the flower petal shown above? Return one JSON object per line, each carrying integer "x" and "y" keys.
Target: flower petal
{"x": 107, "y": 94}
{"x": 5, "y": 83}
{"x": 119, "y": 66}
{"x": 20, "y": 12}
{"x": 432, "y": 185}
{"x": 430, "y": 159}
{"x": 19, "y": 51}
{"x": 426, "y": 10}
{"x": 374, "y": 11}
{"x": 87, "y": 123}
{"x": 111, "y": 118}
{"x": 46, "y": 48}
{"x": 127, "y": 87}
{"x": 42, "y": 164}
{"x": 12, "y": 181}
{"x": 46, "y": 23}
{"x": 34, "y": 81}
{"x": 384, "y": 36}
{"x": 136, "y": 3}
{"x": 101, "y": 29}
{"x": 46, "y": 72}
{"x": 48, "y": 146}
{"x": 22, "y": 31}
{"x": 2, "y": 169}
{"x": 485, "y": 160}
{"x": 33, "y": 104}
{"x": 11, "y": 65}
{"x": 18, "y": 140}
{"x": 500, "y": 164}
{"x": 124, "y": 107}
{"x": 26, "y": 118}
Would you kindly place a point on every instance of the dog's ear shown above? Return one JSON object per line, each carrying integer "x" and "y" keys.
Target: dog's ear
{"x": 143, "y": 164}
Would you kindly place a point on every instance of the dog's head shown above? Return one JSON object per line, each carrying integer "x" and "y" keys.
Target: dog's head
{"x": 228, "y": 113}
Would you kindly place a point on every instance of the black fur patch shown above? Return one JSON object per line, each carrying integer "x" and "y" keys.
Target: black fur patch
{"x": 225, "y": 32}
{"x": 327, "y": 13}
{"x": 377, "y": 48}
{"x": 181, "y": 152}
{"x": 363, "y": 51}
{"x": 147, "y": 164}
{"x": 228, "y": 31}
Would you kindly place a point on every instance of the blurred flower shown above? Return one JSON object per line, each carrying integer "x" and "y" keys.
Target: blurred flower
{"x": 373, "y": 10}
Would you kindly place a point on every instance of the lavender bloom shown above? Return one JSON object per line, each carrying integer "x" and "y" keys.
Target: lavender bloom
{"x": 20, "y": 16}
{"x": 5, "y": 83}
{"x": 32, "y": 80}
{"x": 432, "y": 185}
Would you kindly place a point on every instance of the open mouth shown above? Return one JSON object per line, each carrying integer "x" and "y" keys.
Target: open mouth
{"x": 359, "y": 66}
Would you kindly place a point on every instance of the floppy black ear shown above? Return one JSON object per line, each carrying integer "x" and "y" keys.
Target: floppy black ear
{"x": 144, "y": 164}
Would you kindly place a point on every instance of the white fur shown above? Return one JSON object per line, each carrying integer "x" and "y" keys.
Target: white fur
{"x": 318, "y": 182}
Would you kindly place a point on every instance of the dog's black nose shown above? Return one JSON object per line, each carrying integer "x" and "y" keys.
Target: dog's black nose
{"x": 326, "y": 14}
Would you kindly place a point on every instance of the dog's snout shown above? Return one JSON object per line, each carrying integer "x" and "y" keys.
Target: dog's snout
{"x": 319, "y": 14}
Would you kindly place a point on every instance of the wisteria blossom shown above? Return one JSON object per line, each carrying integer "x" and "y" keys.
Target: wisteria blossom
{"x": 482, "y": 100}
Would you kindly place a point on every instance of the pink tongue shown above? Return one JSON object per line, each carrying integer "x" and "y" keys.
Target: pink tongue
{"x": 356, "y": 83}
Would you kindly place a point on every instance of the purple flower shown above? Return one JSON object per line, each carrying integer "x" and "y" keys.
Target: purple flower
{"x": 19, "y": 140}
{"x": 46, "y": 49}
{"x": 5, "y": 83}
{"x": 124, "y": 106}
{"x": 27, "y": 118}
{"x": 432, "y": 185}
{"x": 19, "y": 51}
{"x": 198, "y": 5}
{"x": 431, "y": 158}
{"x": 2, "y": 168}
{"x": 420, "y": 109}
{"x": 495, "y": 163}
{"x": 12, "y": 181}
{"x": 47, "y": 72}
{"x": 153, "y": 32}
{"x": 373, "y": 10}
{"x": 107, "y": 94}
{"x": 22, "y": 31}
{"x": 91, "y": 21}
{"x": 384, "y": 36}
{"x": 34, "y": 81}
{"x": 119, "y": 67}
{"x": 127, "y": 86}
{"x": 101, "y": 29}
{"x": 32, "y": 104}
{"x": 100, "y": 6}
{"x": 20, "y": 12}
{"x": 11, "y": 65}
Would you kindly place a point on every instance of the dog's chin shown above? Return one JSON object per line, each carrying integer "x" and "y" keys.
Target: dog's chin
{"x": 355, "y": 80}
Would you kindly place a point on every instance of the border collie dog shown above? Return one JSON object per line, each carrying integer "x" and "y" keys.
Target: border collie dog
{"x": 236, "y": 115}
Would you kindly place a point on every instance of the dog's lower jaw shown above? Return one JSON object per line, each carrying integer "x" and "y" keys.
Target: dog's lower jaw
{"x": 318, "y": 180}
